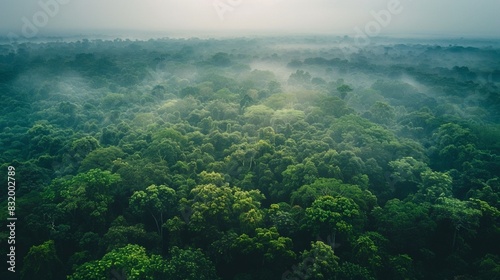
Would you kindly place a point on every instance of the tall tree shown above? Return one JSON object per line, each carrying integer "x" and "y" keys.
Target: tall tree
{"x": 329, "y": 215}
{"x": 129, "y": 262}
{"x": 434, "y": 185}
{"x": 319, "y": 263}
{"x": 189, "y": 264}
{"x": 464, "y": 218}
{"x": 42, "y": 262}
{"x": 155, "y": 200}
{"x": 86, "y": 197}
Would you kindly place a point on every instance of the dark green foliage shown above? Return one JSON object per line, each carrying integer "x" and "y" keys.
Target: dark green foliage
{"x": 406, "y": 224}
{"x": 351, "y": 271}
{"x": 101, "y": 158}
{"x": 189, "y": 264}
{"x": 42, "y": 262}
{"x": 319, "y": 263}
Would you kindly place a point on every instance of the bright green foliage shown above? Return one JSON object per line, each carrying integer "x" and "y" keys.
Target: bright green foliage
{"x": 434, "y": 185}
{"x": 86, "y": 196}
{"x": 247, "y": 203}
{"x": 220, "y": 207}
{"x": 210, "y": 204}
{"x": 267, "y": 243}
{"x": 154, "y": 199}
{"x": 331, "y": 215}
{"x": 129, "y": 262}
{"x": 211, "y": 178}
{"x": 407, "y": 169}
{"x": 306, "y": 194}
{"x": 485, "y": 208}
{"x": 258, "y": 115}
{"x": 169, "y": 133}
{"x": 284, "y": 116}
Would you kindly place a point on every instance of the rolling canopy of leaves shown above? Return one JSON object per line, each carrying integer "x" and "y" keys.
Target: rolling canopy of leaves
{"x": 237, "y": 158}
{"x": 130, "y": 262}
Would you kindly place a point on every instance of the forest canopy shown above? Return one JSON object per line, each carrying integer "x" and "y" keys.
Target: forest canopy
{"x": 252, "y": 158}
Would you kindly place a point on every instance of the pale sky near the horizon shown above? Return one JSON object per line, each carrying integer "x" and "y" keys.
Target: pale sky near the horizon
{"x": 340, "y": 17}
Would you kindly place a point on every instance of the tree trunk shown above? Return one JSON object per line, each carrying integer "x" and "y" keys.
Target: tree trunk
{"x": 156, "y": 222}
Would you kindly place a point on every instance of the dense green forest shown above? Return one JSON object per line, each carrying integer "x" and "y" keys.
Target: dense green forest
{"x": 252, "y": 158}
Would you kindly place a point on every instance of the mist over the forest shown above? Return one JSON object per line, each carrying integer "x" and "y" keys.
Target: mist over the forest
{"x": 238, "y": 139}
{"x": 173, "y": 150}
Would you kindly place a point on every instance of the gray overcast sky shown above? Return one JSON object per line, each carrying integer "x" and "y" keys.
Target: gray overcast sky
{"x": 342, "y": 17}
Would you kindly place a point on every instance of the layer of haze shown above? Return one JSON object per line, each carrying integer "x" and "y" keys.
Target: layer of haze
{"x": 339, "y": 17}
